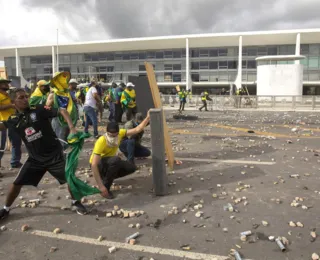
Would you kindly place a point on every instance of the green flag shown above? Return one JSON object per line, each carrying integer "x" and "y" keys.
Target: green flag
{"x": 78, "y": 188}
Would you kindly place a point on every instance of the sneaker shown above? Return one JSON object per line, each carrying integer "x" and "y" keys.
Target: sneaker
{"x": 80, "y": 209}
{"x": 17, "y": 166}
{"x": 3, "y": 214}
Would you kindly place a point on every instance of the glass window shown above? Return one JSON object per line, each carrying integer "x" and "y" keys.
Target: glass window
{"x": 252, "y": 64}
{"x": 213, "y": 65}
{"x": 102, "y": 69}
{"x": 314, "y": 49}
{"x": 159, "y": 55}
{"x": 134, "y": 56}
{"x": 244, "y": 64}
{"x": 176, "y": 77}
{"x": 232, "y": 76}
{"x": 231, "y": 52}
{"x": 232, "y": 64}
{"x": 213, "y": 53}
{"x": 291, "y": 49}
{"x": 118, "y": 56}
{"x": 159, "y": 65}
{"x": 176, "y": 66}
{"x": 74, "y": 58}
{"x": 252, "y": 51}
{"x": 151, "y": 54}
{"x": 177, "y": 54}
{"x": 126, "y": 66}
{"x": 304, "y": 62}
{"x": 195, "y": 65}
{"x": 184, "y": 53}
{"x": 168, "y": 76}
{"x": 110, "y": 56}
{"x": 87, "y": 57}
{"x": 126, "y": 56}
{"x": 262, "y": 51}
{"x": 168, "y": 54}
{"x": 313, "y": 62}
{"x": 135, "y": 65}
{"x": 304, "y": 49}
{"x": 194, "y": 53}
{"x": 244, "y": 51}
{"x": 160, "y": 77}
{"x": 118, "y": 67}
{"x": 252, "y": 77}
{"x": 223, "y": 64}
{"x": 223, "y": 76}
{"x": 204, "y": 65}
{"x": 102, "y": 56}
{"x": 223, "y": 52}
{"x": 167, "y": 66}
{"x": 204, "y": 53}
{"x": 195, "y": 77}
{"x": 94, "y": 57}
{"x": 204, "y": 77}
{"x": 283, "y": 49}
{"x": 142, "y": 55}
{"x": 142, "y": 68}
{"x": 142, "y": 74}
{"x": 110, "y": 68}
{"x": 272, "y": 50}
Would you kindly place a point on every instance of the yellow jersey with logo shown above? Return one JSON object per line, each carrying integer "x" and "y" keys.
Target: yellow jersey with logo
{"x": 101, "y": 146}
{"x": 5, "y": 100}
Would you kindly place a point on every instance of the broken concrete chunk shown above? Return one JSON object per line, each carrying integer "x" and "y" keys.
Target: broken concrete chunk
{"x": 131, "y": 226}
{"x": 109, "y": 215}
{"x": 292, "y": 224}
{"x": 100, "y": 238}
{"x": 315, "y": 256}
{"x": 243, "y": 238}
{"x": 271, "y": 238}
{"x": 53, "y": 249}
{"x": 138, "y": 226}
{"x": 3, "y": 228}
{"x": 299, "y": 224}
{"x": 199, "y": 214}
{"x": 265, "y": 223}
{"x": 57, "y": 231}
{"x": 112, "y": 249}
{"x": 313, "y": 234}
{"x": 24, "y": 228}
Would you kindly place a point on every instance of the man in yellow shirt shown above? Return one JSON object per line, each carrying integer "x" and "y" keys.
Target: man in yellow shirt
{"x": 105, "y": 163}
{"x": 128, "y": 101}
{"x": 6, "y": 110}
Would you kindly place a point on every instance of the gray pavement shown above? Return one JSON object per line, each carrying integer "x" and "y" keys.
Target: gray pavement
{"x": 264, "y": 160}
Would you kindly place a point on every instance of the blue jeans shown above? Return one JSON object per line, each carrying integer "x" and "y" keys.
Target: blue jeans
{"x": 91, "y": 113}
{"x": 112, "y": 109}
{"x": 16, "y": 146}
{"x": 131, "y": 149}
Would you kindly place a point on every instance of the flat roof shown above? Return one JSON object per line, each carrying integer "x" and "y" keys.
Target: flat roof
{"x": 280, "y": 57}
{"x": 308, "y": 36}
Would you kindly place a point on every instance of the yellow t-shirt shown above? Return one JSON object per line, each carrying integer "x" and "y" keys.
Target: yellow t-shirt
{"x": 5, "y": 100}
{"x": 101, "y": 147}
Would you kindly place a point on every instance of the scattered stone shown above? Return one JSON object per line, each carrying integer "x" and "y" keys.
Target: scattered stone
{"x": 57, "y": 231}
{"x": 313, "y": 234}
{"x": 3, "y": 228}
{"x": 138, "y": 226}
{"x": 243, "y": 238}
{"x": 112, "y": 249}
{"x": 53, "y": 249}
{"x": 271, "y": 238}
{"x": 24, "y": 228}
{"x": 199, "y": 214}
{"x": 315, "y": 256}
{"x": 109, "y": 215}
{"x": 132, "y": 241}
{"x": 225, "y": 230}
{"x": 100, "y": 238}
{"x": 292, "y": 224}
{"x": 265, "y": 223}
{"x": 184, "y": 210}
{"x": 131, "y": 226}
{"x": 299, "y": 224}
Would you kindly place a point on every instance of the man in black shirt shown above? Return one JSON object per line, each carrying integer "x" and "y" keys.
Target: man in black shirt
{"x": 45, "y": 151}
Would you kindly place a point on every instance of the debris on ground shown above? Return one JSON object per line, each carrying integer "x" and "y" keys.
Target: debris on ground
{"x": 24, "y": 228}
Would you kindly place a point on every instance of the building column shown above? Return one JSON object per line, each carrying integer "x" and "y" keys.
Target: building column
{"x": 188, "y": 82}
{"x": 17, "y": 63}
{"x": 297, "y": 48}
{"x": 238, "y": 81}
{"x": 53, "y": 61}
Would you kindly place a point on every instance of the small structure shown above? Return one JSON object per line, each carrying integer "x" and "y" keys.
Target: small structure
{"x": 280, "y": 75}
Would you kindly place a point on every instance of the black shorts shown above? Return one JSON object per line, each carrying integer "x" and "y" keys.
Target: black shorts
{"x": 32, "y": 171}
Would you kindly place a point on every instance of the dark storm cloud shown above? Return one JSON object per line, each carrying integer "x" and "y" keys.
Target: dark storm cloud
{"x": 137, "y": 18}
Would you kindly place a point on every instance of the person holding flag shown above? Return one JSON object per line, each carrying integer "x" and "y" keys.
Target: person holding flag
{"x": 40, "y": 94}
{"x": 61, "y": 98}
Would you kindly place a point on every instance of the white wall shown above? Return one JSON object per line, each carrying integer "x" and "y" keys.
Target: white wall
{"x": 280, "y": 80}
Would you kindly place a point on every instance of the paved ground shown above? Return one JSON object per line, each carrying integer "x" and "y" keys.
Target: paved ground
{"x": 220, "y": 158}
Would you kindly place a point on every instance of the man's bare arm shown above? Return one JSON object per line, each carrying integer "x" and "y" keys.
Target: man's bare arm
{"x": 96, "y": 174}
{"x": 5, "y": 107}
{"x": 67, "y": 118}
{"x": 139, "y": 128}
{"x": 50, "y": 100}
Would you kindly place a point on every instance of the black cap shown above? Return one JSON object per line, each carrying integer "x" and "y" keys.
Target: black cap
{"x": 113, "y": 127}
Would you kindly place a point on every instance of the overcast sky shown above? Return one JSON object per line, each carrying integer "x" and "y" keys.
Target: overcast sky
{"x": 25, "y": 22}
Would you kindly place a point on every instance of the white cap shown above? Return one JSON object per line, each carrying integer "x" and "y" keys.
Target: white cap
{"x": 71, "y": 81}
{"x": 129, "y": 84}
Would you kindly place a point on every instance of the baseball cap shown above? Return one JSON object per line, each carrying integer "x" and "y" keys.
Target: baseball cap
{"x": 43, "y": 83}
{"x": 113, "y": 127}
{"x": 129, "y": 84}
{"x": 3, "y": 80}
{"x": 73, "y": 81}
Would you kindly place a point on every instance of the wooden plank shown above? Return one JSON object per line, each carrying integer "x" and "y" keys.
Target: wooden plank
{"x": 158, "y": 104}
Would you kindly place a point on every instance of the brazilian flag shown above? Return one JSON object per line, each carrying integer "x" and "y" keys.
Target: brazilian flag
{"x": 37, "y": 98}
{"x": 62, "y": 96}
{"x": 78, "y": 188}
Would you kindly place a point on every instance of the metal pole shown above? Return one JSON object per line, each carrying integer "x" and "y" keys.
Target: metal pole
{"x": 160, "y": 179}
{"x": 57, "y": 50}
